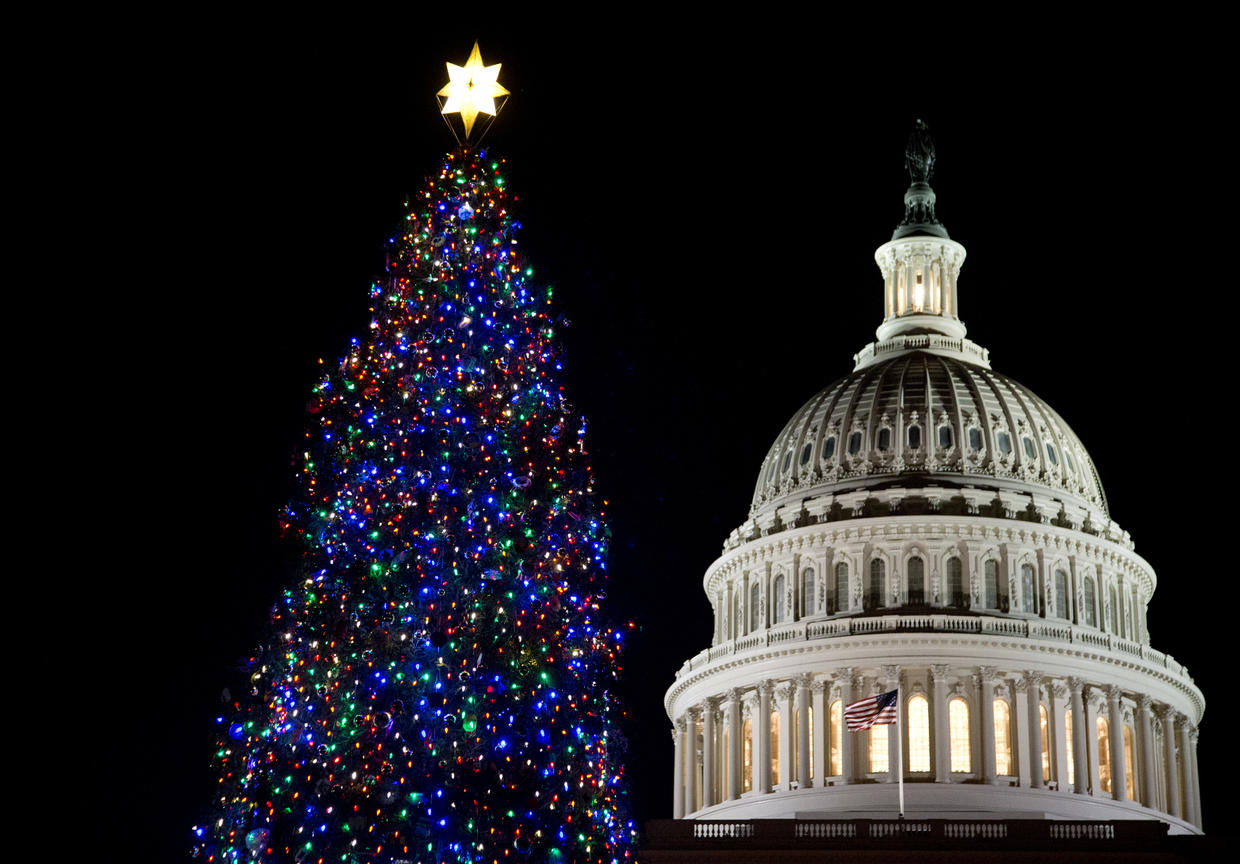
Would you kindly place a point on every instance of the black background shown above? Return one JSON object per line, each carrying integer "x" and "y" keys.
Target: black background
{"x": 706, "y": 198}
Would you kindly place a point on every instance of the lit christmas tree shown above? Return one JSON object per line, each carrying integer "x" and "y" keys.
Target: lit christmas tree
{"x": 436, "y": 687}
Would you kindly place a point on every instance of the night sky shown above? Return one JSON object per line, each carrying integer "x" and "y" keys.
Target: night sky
{"x": 706, "y": 202}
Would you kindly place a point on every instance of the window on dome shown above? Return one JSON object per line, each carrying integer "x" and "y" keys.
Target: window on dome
{"x": 806, "y": 452}
{"x": 918, "y": 734}
{"x": 1111, "y": 628}
{"x": 945, "y": 437}
{"x": 1130, "y": 765}
{"x": 955, "y": 583}
{"x": 1050, "y": 453}
{"x": 1067, "y": 455}
{"x": 777, "y": 600}
{"x": 1028, "y": 593}
{"x": 747, "y": 757}
{"x": 775, "y": 748}
{"x": 828, "y": 449}
{"x": 770, "y": 472}
{"x": 914, "y": 437}
{"x": 916, "y": 583}
{"x": 837, "y": 733}
{"x": 1044, "y": 720}
{"x": 975, "y": 439}
{"x": 1104, "y": 754}
{"x": 854, "y": 444}
{"x": 884, "y": 439}
{"x": 754, "y": 606}
{"x": 958, "y": 726}
{"x": 878, "y": 748}
{"x": 787, "y": 462}
{"x": 1030, "y": 450}
{"x": 990, "y": 571}
{"x": 874, "y": 596}
{"x": 1061, "y": 594}
{"x": 841, "y": 587}
{"x": 807, "y": 591}
{"x": 1003, "y": 738}
{"x": 1005, "y": 443}
{"x": 1091, "y": 613}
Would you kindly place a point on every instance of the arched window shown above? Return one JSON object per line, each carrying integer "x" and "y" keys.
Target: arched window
{"x": 777, "y": 600}
{"x": 975, "y": 438}
{"x": 1111, "y": 613}
{"x": 1030, "y": 450}
{"x": 916, "y": 583}
{"x": 1003, "y": 738}
{"x": 958, "y": 726}
{"x": 837, "y": 732}
{"x": 787, "y": 461}
{"x": 1028, "y": 592}
{"x": 828, "y": 449}
{"x": 914, "y": 437}
{"x": 747, "y": 756}
{"x": 1050, "y": 453}
{"x": 1067, "y": 740}
{"x": 1104, "y": 754}
{"x": 1005, "y": 442}
{"x": 774, "y": 748}
{"x": 918, "y": 734}
{"x": 1044, "y": 719}
{"x": 1130, "y": 765}
{"x": 841, "y": 587}
{"x": 990, "y": 571}
{"x": 878, "y": 748}
{"x": 874, "y": 596}
{"x": 884, "y": 439}
{"x": 1061, "y": 594}
{"x": 806, "y": 452}
{"x": 755, "y": 596}
{"x": 807, "y": 591}
{"x": 955, "y": 583}
{"x": 854, "y": 444}
{"x": 945, "y": 437}
{"x": 1091, "y": 609}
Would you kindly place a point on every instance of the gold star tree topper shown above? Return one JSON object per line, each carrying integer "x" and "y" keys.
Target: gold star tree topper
{"x": 471, "y": 89}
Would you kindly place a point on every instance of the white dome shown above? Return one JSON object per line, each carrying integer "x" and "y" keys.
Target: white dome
{"x": 886, "y": 424}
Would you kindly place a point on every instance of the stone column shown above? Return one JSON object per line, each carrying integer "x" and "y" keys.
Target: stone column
{"x": 942, "y": 735}
{"x": 1119, "y": 766}
{"x": 1196, "y": 791}
{"x": 1167, "y": 716}
{"x": 891, "y": 679}
{"x": 736, "y": 744}
{"x": 1033, "y": 696}
{"x": 986, "y": 711}
{"x": 803, "y": 732}
{"x": 1059, "y": 697}
{"x": 678, "y": 770}
{"x": 787, "y": 732}
{"x": 822, "y": 740}
{"x": 1020, "y": 747}
{"x": 1146, "y": 786}
{"x": 1091, "y": 737}
{"x": 708, "y": 751}
{"x": 848, "y": 763}
{"x": 762, "y": 748}
{"x": 1080, "y": 761}
{"x": 692, "y": 768}
{"x": 1186, "y": 756}
{"x": 752, "y": 704}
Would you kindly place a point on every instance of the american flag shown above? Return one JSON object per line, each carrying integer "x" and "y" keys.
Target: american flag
{"x": 874, "y": 711}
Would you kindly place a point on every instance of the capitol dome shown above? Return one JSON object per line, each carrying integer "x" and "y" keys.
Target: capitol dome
{"x": 927, "y": 525}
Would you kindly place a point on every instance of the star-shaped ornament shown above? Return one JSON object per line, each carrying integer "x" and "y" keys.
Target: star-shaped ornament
{"x": 471, "y": 89}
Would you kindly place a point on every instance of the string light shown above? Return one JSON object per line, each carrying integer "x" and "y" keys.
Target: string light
{"x": 435, "y": 688}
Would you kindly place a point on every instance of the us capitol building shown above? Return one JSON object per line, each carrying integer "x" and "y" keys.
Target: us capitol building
{"x": 929, "y": 524}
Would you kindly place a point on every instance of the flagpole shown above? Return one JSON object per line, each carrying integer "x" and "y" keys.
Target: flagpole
{"x": 900, "y": 748}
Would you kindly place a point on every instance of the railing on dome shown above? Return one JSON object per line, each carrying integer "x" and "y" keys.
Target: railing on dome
{"x": 793, "y": 833}
{"x": 928, "y": 341}
{"x": 1036, "y": 629}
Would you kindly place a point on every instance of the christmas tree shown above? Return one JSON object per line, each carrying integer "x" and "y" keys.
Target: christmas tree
{"x": 435, "y": 687}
